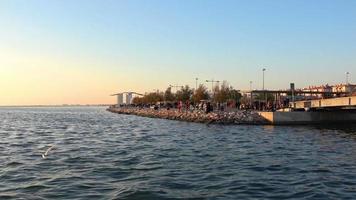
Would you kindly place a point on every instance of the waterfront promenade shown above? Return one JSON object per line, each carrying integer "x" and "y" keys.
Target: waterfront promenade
{"x": 252, "y": 117}
{"x": 217, "y": 117}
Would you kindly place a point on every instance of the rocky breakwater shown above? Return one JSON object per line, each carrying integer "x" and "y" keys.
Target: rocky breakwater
{"x": 236, "y": 117}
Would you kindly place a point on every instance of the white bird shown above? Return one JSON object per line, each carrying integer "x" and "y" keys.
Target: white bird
{"x": 48, "y": 150}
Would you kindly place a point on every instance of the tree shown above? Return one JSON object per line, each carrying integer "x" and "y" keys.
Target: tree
{"x": 200, "y": 93}
{"x": 184, "y": 93}
{"x": 137, "y": 100}
{"x": 153, "y": 97}
{"x": 221, "y": 94}
{"x": 225, "y": 92}
{"x": 168, "y": 95}
{"x": 149, "y": 98}
{"x": 235, "y": 95}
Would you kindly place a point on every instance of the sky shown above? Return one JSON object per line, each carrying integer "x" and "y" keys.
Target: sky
{"x": 79, "y": 52}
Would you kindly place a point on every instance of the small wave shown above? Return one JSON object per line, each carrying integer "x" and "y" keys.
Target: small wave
{"x": 14, "y": 164}
{"x": 5, "y": 196}
{"x": 35, "y": 187}
{"x": 147, "y": 195}
{"x": 146, "y": 168}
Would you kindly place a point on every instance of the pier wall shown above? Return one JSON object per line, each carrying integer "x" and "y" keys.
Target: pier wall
{"x": 309, "y": 117}
{"x": 325, "y": 103}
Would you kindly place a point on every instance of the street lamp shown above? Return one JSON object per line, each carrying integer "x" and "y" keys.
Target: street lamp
{"x": 251, "y": 85}
{"x": 263, "y": 84}
{"x": 347, "y": 78}
{"x": 263, "y": 78}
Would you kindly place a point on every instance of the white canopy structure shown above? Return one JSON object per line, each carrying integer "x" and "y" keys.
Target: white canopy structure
{"x": 125, "y": 97}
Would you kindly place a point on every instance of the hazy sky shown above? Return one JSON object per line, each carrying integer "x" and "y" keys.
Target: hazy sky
{"x": 65, "y": 51}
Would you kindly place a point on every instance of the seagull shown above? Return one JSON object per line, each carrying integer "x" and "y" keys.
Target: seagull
{"x": 48, "y": 150}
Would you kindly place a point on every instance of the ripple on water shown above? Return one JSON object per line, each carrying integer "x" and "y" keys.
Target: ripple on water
{"x": 100, "y": 155}
{"x": 13, "y": 164}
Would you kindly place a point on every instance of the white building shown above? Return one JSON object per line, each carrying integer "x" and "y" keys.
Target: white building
{"x": 323, "y": 88}
{"x": 128, "y": 98}
{"x": 125, "y": 98}
{"x": 120, "y": 99}
{"x": 349, "y": 88}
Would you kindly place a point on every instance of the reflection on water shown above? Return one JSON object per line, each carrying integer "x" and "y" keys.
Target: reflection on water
{"x": 339, "y": 128}
{"x": 98, "y": 154}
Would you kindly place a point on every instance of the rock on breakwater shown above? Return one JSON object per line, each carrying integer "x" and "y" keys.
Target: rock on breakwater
{"x": 235, "y": 117}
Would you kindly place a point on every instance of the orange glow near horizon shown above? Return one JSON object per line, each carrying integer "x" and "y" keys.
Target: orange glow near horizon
{"x": 32, "y": 82}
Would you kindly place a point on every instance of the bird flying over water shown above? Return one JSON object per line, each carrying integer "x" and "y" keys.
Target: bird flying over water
{"x": 44, "y": 155}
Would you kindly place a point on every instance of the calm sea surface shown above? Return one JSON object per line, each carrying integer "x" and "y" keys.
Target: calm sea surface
{"x": 100, "y": 155}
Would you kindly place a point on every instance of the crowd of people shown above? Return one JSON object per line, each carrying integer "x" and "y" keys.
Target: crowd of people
{"x": 208, "y": 106}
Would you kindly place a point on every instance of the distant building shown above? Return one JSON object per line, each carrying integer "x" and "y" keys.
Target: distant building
{"x": 349, "y": 88}
{"x": 125, "y": 98}
{"x": 120, "y": 99}
{"x": 128, "y": 98}
{"x": 323, "y": 88}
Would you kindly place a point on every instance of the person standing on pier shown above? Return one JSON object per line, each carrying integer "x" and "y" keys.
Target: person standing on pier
{"x": 180, "y": 104}
{"x": 187, "y": 105}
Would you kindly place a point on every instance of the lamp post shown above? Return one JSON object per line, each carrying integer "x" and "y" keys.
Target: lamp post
{"x": 251, "y": 85}
{"x": 263, "y": 78}
{"x": 263, "y": 84}
{"x": 347, "y": 77}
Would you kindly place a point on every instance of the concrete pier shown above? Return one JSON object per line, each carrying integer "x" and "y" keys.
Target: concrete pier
{"x": 315, "y": 117}
{"x": 326, "y": 103}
